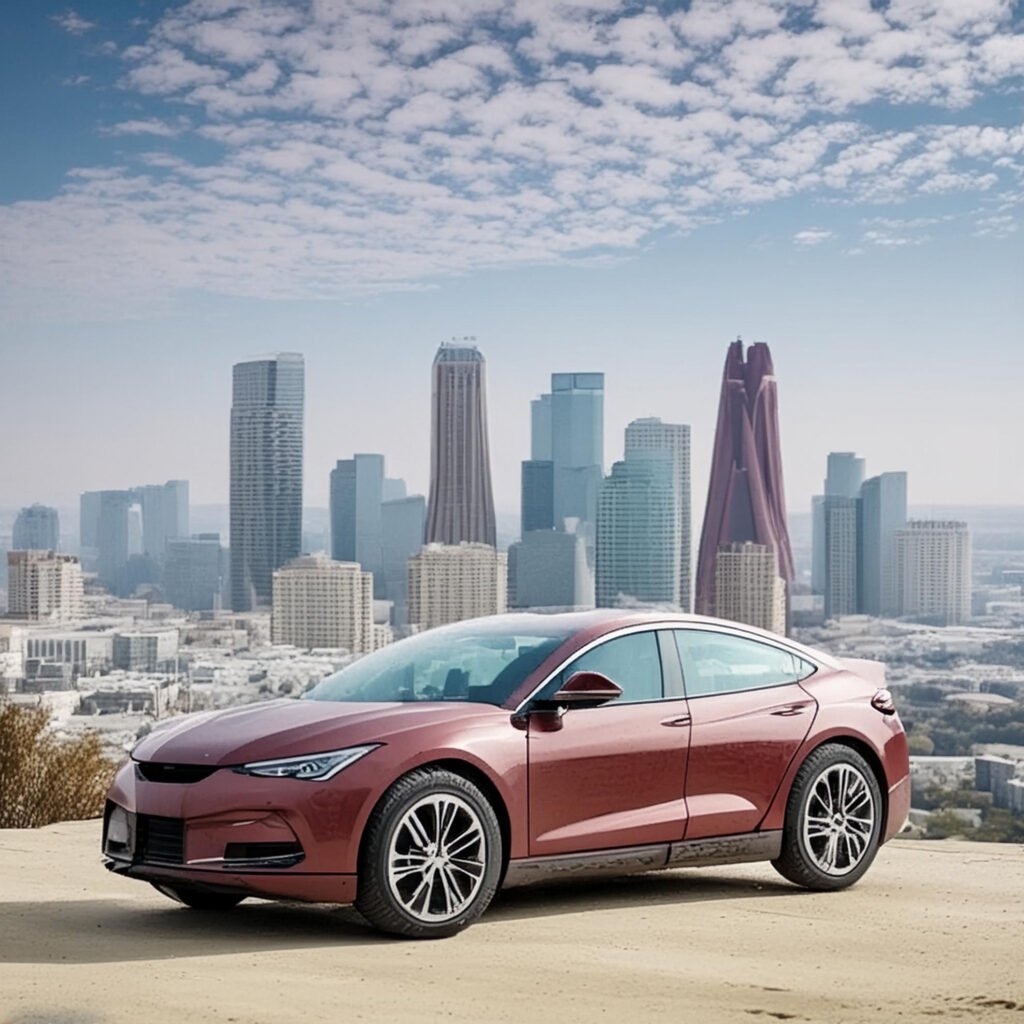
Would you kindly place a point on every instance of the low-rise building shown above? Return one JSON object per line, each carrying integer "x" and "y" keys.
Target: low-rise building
{"x": 322, "y": 603}
{"x": 144, "y": 651}
{"x": 748, "y": 587}
{"x": 43, "y": 586}
{"x": 452, "y": 582}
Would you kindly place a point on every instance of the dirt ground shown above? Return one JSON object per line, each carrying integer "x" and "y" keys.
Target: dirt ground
{"x": 934, "y": 931}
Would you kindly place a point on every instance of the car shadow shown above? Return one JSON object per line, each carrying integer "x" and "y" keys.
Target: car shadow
{"x": 111, "y": 930}
{"x": 627, "y": 892}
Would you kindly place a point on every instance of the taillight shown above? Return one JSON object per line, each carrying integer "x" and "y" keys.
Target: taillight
{"x": 882, "y": 701}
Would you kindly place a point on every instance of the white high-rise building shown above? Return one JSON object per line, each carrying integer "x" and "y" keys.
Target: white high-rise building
{"x": 44, "y": 586}
{"x": 933, "y": 571}
{"x": 318, "y": 602}
{"x": 651, "y": 435}
{"x": 748, "y": 587}
{"x": 452, "y": 582}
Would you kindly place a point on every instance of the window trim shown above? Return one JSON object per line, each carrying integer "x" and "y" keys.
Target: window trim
{"x": 644, "y": 627}
{"x": 709, "y": 626}
{"x": 739, "y": 635}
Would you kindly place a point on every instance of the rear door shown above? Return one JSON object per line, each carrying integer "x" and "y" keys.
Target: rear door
{"x": 613, "y": 775}
{"x": 749, "y": 716}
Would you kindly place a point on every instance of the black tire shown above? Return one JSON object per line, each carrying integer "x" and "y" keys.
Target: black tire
{"x": 800, "y": 861}
{"x": 198, "y": 899}
{"x": 385, "y": 905}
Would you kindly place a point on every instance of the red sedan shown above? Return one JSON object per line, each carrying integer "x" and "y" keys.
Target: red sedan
{"x": 422, "y": 778}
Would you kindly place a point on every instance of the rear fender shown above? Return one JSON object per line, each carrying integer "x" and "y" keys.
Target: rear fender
{"x": 845, "y": 714}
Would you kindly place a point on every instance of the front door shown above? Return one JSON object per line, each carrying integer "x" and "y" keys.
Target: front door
{"x": 613, "y": 775}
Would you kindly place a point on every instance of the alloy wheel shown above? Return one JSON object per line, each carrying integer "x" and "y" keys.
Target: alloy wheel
{"x": 839, "y": 819}
{"x": 436, "y": 857}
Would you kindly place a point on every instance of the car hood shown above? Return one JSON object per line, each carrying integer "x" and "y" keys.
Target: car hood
{"x": 291, "y": 728}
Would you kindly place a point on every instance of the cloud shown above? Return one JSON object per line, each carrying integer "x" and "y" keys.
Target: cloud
{"x": 72, "y": 22}
{"x": 353, "y": 147}
{"x": 812, "y": 236}
{"x": 147, "y": 126}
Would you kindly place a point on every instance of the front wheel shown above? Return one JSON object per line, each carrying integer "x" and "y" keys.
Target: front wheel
{"x": 198, "y": 899}
{"x": 833, "y": 820}
{"x": 431, "y": 857}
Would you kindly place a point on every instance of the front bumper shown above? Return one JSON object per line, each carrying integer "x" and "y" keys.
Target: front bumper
{"x": 276, "y": 838}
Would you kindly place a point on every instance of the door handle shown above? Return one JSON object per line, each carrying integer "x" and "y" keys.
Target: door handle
{"x": 677, "y": 722}
{"x": 790, "y": 710}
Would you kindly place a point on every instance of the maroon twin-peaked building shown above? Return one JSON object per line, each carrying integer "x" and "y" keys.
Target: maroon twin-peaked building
{"x": 746, "y": 501}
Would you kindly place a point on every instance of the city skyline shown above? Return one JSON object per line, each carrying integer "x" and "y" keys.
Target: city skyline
{"x": 589, "y": 188}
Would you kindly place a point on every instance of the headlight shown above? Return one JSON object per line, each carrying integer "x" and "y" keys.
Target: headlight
{"x": 313, "y": 766}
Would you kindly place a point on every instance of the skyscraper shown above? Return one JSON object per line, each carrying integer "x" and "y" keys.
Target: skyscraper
{"x": 357, "y": 487}
{"x": 37, "y": 528}
{"x": 194, "y": 572}
{"x": 842, "y": 544}
{"x": 115, "y": 526}
{"x": 549, "y": 569}
{"x": 266, "y": 474}
{"x": 651, "y": 435}
{"x": 538, "y": 496}
{"x": 461, "y": 505}
{"x": 164, "y": 516}
{"x": 402, "y": 529}
{"x": 637, "y": 544}
{"x": 113, "y": 545}
{"x": 844, "y": 475}
{"x": 577, "y": 448}
{"x": 540, "y": 429}
{"x": 933, "y": 571}
{"x": 746, "y": 501}
{"x": 883, "y": 512}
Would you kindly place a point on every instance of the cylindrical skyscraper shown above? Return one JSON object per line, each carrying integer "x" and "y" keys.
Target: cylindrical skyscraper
{"x": 266, "y": 474}
{"x": 461, "y": 504}
{"x": 745, "y": 495}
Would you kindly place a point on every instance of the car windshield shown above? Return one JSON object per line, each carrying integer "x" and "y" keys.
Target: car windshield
{"x": 477, "y": 662}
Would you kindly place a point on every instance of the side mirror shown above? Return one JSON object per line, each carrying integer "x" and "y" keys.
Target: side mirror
{"x": 587, "y": 688}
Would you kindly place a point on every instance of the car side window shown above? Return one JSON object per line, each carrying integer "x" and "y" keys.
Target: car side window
{"x": 723, "y": 663}
{"x": 632, "y": 661}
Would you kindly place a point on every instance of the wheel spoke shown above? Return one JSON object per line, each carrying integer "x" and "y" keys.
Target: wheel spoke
{"x": 464, "y": 842}
{"x": 474, "y": 869}
{"x": 406, "y": 871}
{"x": 451, "y": 898}
{"x": 417, "y": 830}
{"x": 423, "y": 889}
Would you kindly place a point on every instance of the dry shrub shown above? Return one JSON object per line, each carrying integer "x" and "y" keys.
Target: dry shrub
{"x": 44, "y": 779}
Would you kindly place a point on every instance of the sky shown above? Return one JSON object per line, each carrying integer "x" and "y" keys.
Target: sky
{"x": 580, "y": 185}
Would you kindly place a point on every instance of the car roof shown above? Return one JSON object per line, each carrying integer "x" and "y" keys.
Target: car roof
{"x": 597, "y": 621}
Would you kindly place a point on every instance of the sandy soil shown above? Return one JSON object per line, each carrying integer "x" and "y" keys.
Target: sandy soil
{"x": 935, "y": 930}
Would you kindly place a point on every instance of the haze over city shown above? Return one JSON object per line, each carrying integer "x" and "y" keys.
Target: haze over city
{"x": 579, "y": 187}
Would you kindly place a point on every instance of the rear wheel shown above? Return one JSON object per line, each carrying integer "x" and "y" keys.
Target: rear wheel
{"x": 431, "y": 857}
{"x": 198, "y": 899}
{"x": 833, "y": 820}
